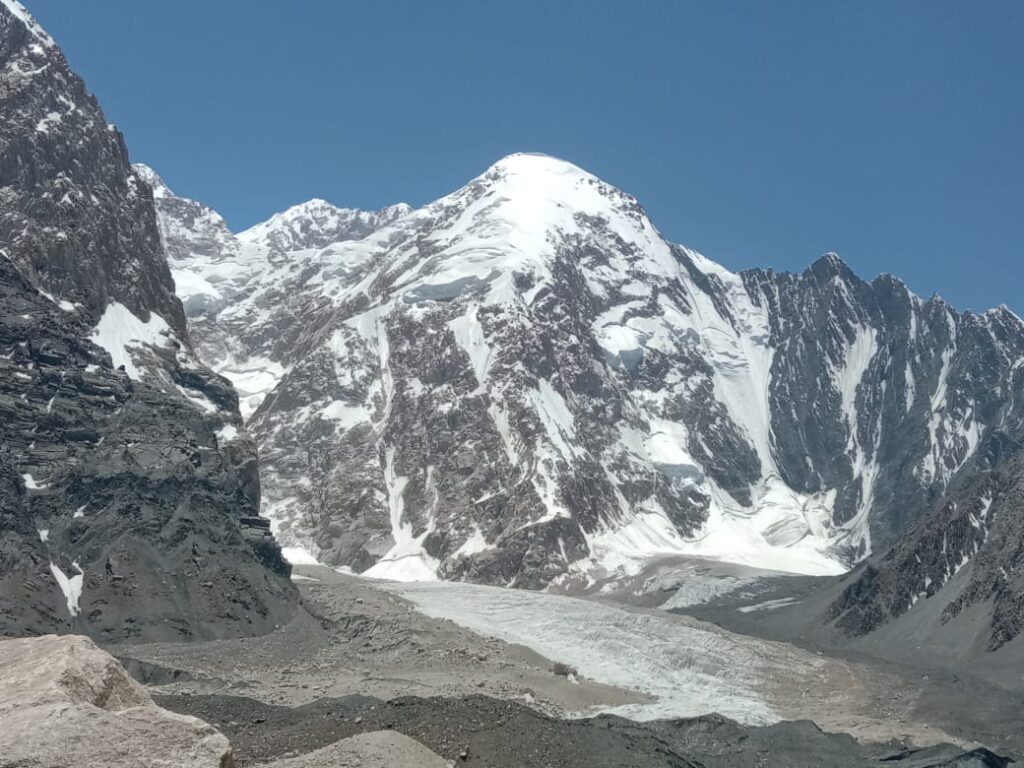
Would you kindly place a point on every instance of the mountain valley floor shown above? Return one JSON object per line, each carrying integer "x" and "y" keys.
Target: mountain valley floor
{"x": 467, "y": 668}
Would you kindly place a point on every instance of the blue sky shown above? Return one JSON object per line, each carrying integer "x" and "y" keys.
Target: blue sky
{"x": 761, "y": 133}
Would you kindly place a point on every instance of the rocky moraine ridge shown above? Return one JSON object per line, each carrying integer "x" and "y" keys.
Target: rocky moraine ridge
{"x": 129, "y": 487}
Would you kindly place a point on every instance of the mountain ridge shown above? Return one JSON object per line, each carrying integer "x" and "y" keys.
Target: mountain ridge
{"x": 317, "y": 223}
{"x": 535, "y": 235}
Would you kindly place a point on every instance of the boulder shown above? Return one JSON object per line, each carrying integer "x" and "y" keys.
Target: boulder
{"x": 65, "y": 703}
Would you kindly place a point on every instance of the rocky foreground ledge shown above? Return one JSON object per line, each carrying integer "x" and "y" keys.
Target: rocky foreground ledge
{"x": 65, "y": 703}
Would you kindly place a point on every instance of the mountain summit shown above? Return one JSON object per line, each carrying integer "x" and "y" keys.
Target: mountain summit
{"x": 317, "y": 223}
{"x": 525, "y": 383}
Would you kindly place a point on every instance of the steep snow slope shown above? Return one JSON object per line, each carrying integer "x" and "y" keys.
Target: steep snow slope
{"x": 213, "y": 269}
{"x": 204, "y": 256}
{"x": 524, "y": 381}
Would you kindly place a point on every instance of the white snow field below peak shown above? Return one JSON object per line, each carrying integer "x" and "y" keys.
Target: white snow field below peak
{"x": 690, "y": 668}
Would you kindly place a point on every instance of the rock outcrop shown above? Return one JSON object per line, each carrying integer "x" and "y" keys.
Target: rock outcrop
{"x": 64, "y": 703}
{"x": 129, "y": 487}
{"x": 969, "y": 553}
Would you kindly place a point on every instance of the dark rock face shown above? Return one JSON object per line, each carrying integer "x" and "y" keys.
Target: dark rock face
{"x": 113, "y": 479}
{"x": 73, "y": 216}
{"x": 976, "y": 524}
{"x": 123, "y": 493}
{"x": 980, "y": 531}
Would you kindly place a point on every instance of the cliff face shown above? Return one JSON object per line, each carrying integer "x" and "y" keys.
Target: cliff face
{"x": 129, "y": 490}
{"x": 73, "y": 216}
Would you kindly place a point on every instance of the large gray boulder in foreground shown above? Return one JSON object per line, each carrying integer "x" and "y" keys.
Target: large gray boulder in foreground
{"x": 65, "y": 702}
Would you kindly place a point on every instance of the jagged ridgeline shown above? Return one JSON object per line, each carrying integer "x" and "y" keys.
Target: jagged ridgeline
{"x": 524, "y": 383}
{"x": 129, "y": 487}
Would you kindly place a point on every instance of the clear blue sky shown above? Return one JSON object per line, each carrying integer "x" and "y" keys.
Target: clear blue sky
{"x": 761, "y": 133}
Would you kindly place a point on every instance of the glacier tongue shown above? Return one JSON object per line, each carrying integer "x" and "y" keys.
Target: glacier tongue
{"x": 523, "y": 382}
{"x": 689, "y": 669}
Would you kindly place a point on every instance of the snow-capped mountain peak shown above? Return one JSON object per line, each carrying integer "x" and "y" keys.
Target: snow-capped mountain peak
{"x": 540, "y": 195}
{"x": 18, "y": 11}
{"x": 537, "y": 195}
{"x": 506, "y": 228}
{"x": 317, "y": 223}
{"x": 153, "y": 179}
{"x": 524, "y": 381}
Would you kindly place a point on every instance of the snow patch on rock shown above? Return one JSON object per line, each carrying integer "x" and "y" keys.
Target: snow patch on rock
{"x": 121, "y": 333}
{"x": 70, "y": 586}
